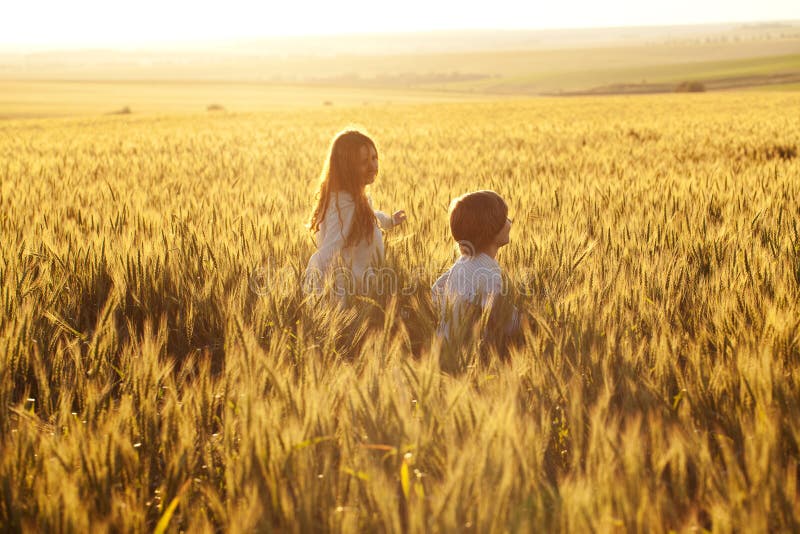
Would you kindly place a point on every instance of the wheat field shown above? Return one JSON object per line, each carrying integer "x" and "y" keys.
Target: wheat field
{"x": 161, "y": 369}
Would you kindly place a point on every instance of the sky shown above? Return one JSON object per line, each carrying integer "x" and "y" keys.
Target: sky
{"x": 126, "y": 23}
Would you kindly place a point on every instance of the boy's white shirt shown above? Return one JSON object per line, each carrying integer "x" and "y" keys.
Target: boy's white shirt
{"x": 470, "y": 280}
{"x": 331, "y": 238}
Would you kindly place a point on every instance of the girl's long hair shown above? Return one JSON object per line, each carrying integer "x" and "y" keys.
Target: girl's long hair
{"x": 341, "y": 173}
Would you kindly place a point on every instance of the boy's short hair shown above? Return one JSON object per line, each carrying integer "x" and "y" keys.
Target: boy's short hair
{"x": 476, "y": 218}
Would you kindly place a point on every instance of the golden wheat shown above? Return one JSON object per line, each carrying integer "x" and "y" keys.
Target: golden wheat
{"x": 160, "y": 369}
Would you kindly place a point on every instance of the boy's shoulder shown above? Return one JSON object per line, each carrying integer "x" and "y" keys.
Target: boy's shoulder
{"x": 482, "y": 263}
{"x": 487, "y": 262}
{"x": 470, "y": 275}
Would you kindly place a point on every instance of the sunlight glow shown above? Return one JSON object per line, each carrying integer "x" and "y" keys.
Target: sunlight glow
{"x": 123, "y": 24}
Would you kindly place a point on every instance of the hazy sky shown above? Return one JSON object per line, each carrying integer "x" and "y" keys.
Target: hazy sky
{"x": 81, "y": 23}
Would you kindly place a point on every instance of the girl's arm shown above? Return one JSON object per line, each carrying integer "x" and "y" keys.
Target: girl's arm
{"x": 330, "y": 242}
{"x": 387, "y": 222}
{"x": 336, "y": 225}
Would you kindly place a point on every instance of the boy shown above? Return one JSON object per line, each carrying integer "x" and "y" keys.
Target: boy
{"x": 473, "y": 287}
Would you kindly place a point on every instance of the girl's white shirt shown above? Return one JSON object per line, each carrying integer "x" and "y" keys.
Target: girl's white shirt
{"x": 330, "y": 239}
{"x": 472, "y": 280}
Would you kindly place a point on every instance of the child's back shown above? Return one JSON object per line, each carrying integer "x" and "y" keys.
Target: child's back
{"x": 474, "y": 284}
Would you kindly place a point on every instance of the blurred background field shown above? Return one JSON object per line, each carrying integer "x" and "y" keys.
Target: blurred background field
{"x": 37, "y": 98}
{"x": 263, "y": 74}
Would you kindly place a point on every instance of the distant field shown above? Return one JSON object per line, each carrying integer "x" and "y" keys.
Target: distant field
{"x": 381, "y": 68}
{"x": 719, "y": 73}
{"x": 71, "y": 84}
{"x": 29, "y": 99}
{"x": 777, "y": 87}
{"x": 41, "y": 98}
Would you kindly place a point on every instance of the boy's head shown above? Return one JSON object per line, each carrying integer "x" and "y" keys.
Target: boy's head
{"x": 479, "y": 220}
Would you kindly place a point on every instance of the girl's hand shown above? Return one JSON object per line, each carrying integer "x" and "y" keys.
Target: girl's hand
{"x": 399, "y": 217}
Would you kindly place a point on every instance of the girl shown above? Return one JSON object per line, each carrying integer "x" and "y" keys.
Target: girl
{"x": 346, "y": 227}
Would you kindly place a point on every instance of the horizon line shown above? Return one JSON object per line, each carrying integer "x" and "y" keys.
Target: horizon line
{"x": 159, "y": 44}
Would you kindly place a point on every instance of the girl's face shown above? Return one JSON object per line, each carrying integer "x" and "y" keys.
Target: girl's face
{"x": 368, "y": 164}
